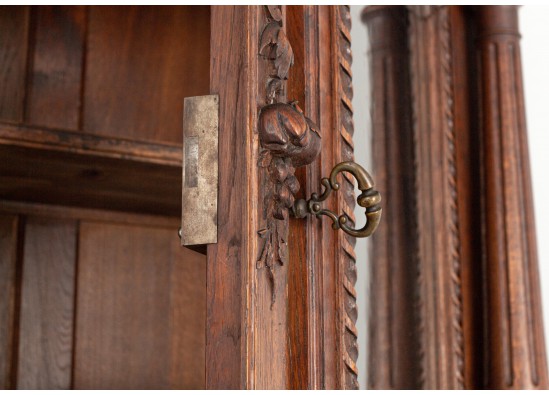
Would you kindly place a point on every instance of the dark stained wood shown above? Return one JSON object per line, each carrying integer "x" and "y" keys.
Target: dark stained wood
{"x": 141, "y": 62}
{"x": 187, "y": 317}
{"x": 394, "y": 360}
{"x": 298, "y": 270}
{"x": 14, "y": 26}
{"x": 516, "y": 355}
{"x": 8, "y": 256}
{"x": 312, "y": 269}
{"x": 55, "y": 78}
{"x": 64, "y": 212}
{"x": 47, "y": 304}
{"x": 440, "y": 284}
{"x": 342, "y": 140}
{"x": 230, "y": 261}
{"x": 325, "y": 265}
{"x": 141, "y": 311}
{"x": 462, "y": 30}
{"x": 65, "y": 141}
{"x": 473, "y": 312}
{"x": 62, "y": 178}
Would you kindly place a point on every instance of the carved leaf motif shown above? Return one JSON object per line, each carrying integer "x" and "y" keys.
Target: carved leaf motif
{"x": 284, "y": 55}
{"x": 275, "y": 46}
{"x": 275, "y": 12}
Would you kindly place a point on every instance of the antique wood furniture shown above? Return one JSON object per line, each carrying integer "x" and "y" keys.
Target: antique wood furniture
{"x": 95, "y": 289}
{"x": 457, "y": 304}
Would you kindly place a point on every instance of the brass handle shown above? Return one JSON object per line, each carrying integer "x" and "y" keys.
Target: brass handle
{"x": 369, "y": 199}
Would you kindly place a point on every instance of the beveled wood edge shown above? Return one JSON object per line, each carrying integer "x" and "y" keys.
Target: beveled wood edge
{"x": 64, "y": 212}
{"x": 88, "y": 144}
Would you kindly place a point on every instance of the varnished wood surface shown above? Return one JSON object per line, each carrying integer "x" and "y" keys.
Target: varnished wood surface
{"x": 51, "y": 255}
{"x": 14, "y": 25}
{"x": 229, "y": 261}
{"x": 8, "y": 289}
{"x": 140, "y": 310}
{"x": 393, "y": 357}
{"x": 476, "y": 318}
{"x": 47, "y": 305}
{"x": 516, "y": 356}
{"x": 75, "y": 180}
{"x": 140, "y": 64}
{"x": 54, "y": 81}
{"x": 99, "y": 81}
{"x": 298, "y": 287}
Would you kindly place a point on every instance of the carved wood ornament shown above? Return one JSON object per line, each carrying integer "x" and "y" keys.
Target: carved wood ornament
{"x": 288, "y": 140}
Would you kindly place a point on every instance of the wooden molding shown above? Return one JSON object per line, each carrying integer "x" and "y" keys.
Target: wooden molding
{"x": 515, "y": 356}
{"x": 462, "y": 291}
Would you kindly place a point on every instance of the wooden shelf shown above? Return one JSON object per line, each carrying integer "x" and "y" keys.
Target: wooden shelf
{"x": 75, "y": 169}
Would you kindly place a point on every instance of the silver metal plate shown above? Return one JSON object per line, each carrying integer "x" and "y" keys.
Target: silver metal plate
{"x": 200, "y": 170}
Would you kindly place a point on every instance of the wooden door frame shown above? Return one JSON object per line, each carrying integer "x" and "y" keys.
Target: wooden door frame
{"x": 306, "y": 339}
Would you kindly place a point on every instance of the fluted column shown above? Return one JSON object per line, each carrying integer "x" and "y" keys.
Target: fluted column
{"x": 515, "y": 348}
{"x": 393, "y": 355}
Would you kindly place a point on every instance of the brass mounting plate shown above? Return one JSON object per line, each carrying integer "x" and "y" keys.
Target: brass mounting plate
{"x": 200, "y": 170}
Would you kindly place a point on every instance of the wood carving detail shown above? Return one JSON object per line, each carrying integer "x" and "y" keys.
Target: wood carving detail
{"x": 347, "y": 264}
{"x": 288, "y": 140}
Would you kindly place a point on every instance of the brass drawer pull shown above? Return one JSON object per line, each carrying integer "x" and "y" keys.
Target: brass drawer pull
{"x": 369, "y": 199}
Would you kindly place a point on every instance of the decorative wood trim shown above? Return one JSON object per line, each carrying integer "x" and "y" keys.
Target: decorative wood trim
{"x": 346, "y": 259}
{"x": 80, "y": 143}
{"x": 395, "y": 355}
{"x": 515, "y": 357}
{"x": 232, "y": 359}
{"x": 474, "y": 256}
{"x": 432, "y": 83}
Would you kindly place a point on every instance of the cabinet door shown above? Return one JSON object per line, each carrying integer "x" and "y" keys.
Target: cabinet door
{"x": 281, "y": 305}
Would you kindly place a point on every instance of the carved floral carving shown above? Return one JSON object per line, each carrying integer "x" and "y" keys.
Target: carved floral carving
{"x": 288, "y": 140}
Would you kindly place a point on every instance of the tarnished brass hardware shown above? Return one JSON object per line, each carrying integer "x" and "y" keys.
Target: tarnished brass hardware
{"x": 369, "y": 199}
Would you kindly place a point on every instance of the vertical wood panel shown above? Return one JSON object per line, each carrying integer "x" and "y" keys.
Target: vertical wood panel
{"x": 229, "y": 344}
{"x": 56, "y": 73}
{"x": 8, "y": 259}
{"x": 141, "y": 63}
{"x": 141, "y": 308}
{"x": 187, "y": 317}
{"x": 297, "y": 266}
{"x": 47, "y": 305}
{"x": 14, "y": 25}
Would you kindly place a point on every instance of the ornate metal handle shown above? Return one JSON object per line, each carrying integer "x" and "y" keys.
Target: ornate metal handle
{"x": 369, "y": 199}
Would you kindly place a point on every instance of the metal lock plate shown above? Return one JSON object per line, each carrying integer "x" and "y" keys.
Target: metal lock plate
{"x": 200, "y": 170}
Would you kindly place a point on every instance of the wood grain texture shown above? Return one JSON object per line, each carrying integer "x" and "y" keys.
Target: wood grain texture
{"x": 476, "y": 312}
{"x": 85, "y": 144}
{"x": 141, "y": 62}
{"x": 435, "y": 136}
{"x": 55, "y": 78}
{"x": 14, "y": 27}
{"x": 515, "y": 357}
{"x": 47, "y": 304}
{"x": 141, "y": 310}
{"x": 326, "y": 263}
{"x": 61, "y": 178}
{"x": 395, "y": 359}
{"x": 298, "y": 276}
{"x": 8, "y": 286}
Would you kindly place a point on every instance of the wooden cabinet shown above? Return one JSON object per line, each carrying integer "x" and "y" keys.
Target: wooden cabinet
{"x": 95, "y": 290}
